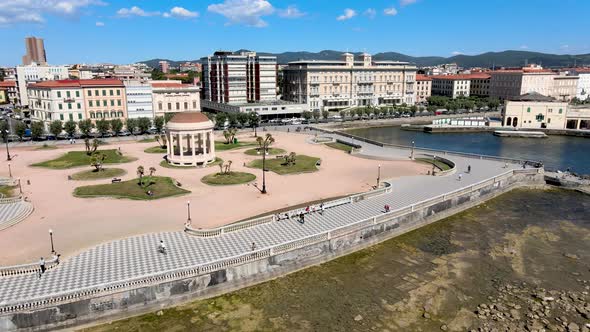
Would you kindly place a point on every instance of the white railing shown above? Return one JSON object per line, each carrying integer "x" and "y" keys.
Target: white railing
{"x": 27, "y": 268}
{"x": 11, "y": 200}
{"x": 186, "y": 272}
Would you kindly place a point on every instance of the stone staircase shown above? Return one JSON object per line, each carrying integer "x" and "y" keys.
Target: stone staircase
{"x": 14, "y": 212}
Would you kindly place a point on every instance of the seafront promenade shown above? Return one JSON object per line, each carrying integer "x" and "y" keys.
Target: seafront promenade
{"x": 136, "y": 258}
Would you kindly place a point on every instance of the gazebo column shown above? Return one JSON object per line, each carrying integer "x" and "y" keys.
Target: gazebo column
{"x": 211, "y": 142}
{"x": 193, "y": 148}
{"x": 200, "y": 142}
{"x": 168, "y": 144}
{"x": 180, "y": 147}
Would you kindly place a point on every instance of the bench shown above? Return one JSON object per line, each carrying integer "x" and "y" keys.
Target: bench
{"x": 115, "y": 180}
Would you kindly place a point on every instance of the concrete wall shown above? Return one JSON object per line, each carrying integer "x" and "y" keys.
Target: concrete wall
{"x": 159, "y": 295}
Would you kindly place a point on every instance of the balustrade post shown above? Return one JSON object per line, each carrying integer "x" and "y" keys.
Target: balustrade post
{"x": 375, "y": 220}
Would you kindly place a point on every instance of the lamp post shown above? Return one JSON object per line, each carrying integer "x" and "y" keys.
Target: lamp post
{"x": 433, "y": 163}
{"x": 413, "y": 146}
{"x": 9, "y": 170}
{"x": 6, "y": 140}
{"x": 20, "y": 187}
{"x": 51, "y": 239}
{"x": 188, "y": 211}
{"x": 378, "y": 176}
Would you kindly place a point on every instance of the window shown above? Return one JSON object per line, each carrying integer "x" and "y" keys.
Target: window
{"x": 560, "y": 111}
{"x": 528, "y": 109}
{"x": 194, "y": 104}
{"x": 69, "y": 106}
{"x": 177, "y": 106}
{"x": 119, "y": 102}
{"x": 106, "y": 114}
{"x": 71, "y": 116}
{"x": 112, "y": 102}
{"x": 59, "y": 94}
{"x": 548, "y": 120}
{"x": 104, "y": 92}
{"x": 96, "y": 92}
{"x": 159, "y": 106}
{"x": 79, "y": 116}
{"x": 79, "y": 106}
{"x": 89, "y": 93}
{"x": 104, "y": 103}
{"x": 59, "y": 106}
{"x": 77, "y": 93}
{"x": 120, "y": 114}
{"x": 90, "y": 103}
{"x": 169, "y": 106}
{"x": 111, "y": 92}
{"x": 61, "y": 117}
{"x": 186, "y": 105}
{"x": 118, "y": 92}
{"x": 92, "y": 116}
{"x": 68, "y": 94}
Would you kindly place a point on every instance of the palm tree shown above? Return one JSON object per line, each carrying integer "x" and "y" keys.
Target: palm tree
{"x": 228, "y": 167}
{"x": 268, "y": 140}
{"x": 152, "y": 170}
{"x": 140, "y": 172}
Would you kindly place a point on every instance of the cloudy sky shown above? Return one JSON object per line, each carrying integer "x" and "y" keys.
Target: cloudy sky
{"x": 122, "y": 31}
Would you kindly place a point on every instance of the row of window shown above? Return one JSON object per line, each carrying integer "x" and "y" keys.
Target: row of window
{"x": 106, "y": 114}
{"x": 177, "y": 104}
{"x": 104, "y": 92}
{"x": 104, "y": 103}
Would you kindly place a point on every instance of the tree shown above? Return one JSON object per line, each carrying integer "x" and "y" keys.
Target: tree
{"x": 102, "y": 126}
{"x": 227, "y": 136}
{"x": 413, "y": 110}
{"x": 152, "y": 171}
{"x": 85, "y": 127}
{"x": 168, "y": 116}
{"x": 55, "y": 127}
{"x": 228, "y": 167}
{"x": 343, "y": 114}
{"x": 157, "y": 74}
{"x": 359, "y": 112}
{"x": 368, "y": 111}
{"x": 20, "y": 129}
{"x": 232, "y": 118}
{"x": 97, "y": 160}
{"x": 431, "y": 108}
{"x": 254, "y": 121}
{"x": 493, "y": 103}
{"x": 37, "y": 130}
{"x": 116, "y": 126}
{"x": 290, "y": 159}
{"x": 143, "y": 124}
{"x": 220, "y": 119}
{"x": 162, "y": 140}
{"x": 316, "y": 115}
{"x": 242, "y": 119}
{"x": 159, "y": 123}
{"x": 140, "y": 172}
{"x": 131, "y": 125}
{"x": 307, "y": 115}
{"x": 70, "y": 128}
{"x": 325, "y": 114}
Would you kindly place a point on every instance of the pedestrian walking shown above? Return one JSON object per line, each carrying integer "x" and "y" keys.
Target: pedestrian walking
{"x": 253, "y": 246}
{"x": 41, "y": 266}
{"x": 460, "y": 176}
{"x": 162, "y": 247}
{"x": 307, "y": 209}
{"x": 302, "y": 217}
{"x": 505, "y": 165}
{"x": 469, "y": 169}
{"x": 386, "y": 207}
{"x": 322, "y": 209}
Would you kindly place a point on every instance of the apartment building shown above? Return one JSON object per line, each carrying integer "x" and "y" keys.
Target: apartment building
{"x": 56, "y": 100}
{"x": 332, "y": 85}
{"x": 583, "y": 87}
{"x": 565, "y": 87}
{"x": 164, "y": 66}
{"x": 11, "y": 91}
{"x": 423, "y": 88}
{"x": 35, "y": 51}
{"x": 3, "y": 96}
{"x": 173, "y": 96}
{"x": 35, "y": 73}
{"x": 511, "y": 83}
{"x": 104, "y": 99}
{"x": 452, "y": 86}
{"x": 239, "y": 78}
{"x": 480, "y": 84}
{"x": 139, "y": 99}
{"x": 533, "y": 110}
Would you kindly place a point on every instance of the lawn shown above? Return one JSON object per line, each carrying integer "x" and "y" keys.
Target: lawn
{"x": 156, "y": 149}
{"x": 92, "y": 174}
{"x": 216, "y": 162}
{"x": 439, "y": 164}
{"x": 340, "y": 146}
{"x": 147, "y": 140}
{"x": 159, "y": 185}
{"x": 222, "y": 146}
{"x": 224, "y": 179}
{"x": 303, "y": 164}
{"x": 7, "y": 191}
{"x": 271, "y": 151}
{"x": 80, "y": 158}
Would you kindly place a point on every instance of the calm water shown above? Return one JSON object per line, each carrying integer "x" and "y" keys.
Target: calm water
{"x": 555, "y": 151}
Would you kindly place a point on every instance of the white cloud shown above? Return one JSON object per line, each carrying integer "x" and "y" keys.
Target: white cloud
{"x": 100, "y": 24}
{"x": 34, "y": 11}
{"x": 456, "y": 53}
{"x": 524, "y": 47}
{"x": 348, "y": 14}
{"x": 406, "y": 2}
{"x": 247, "y": 12}
{"x": 179, "y": 12}
{"x": 291, "y": 12}
{"x": 564, "y": 47}
{"x": 390, "y": 11}
{"x": 371, "y": 13}
{"x": 135, "y": 11}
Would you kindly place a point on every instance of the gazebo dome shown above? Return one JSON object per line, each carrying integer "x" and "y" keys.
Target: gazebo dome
{"x": 190, "y": 139}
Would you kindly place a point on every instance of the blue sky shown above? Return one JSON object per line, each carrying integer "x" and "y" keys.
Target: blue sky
{"x": 122, "y": 31}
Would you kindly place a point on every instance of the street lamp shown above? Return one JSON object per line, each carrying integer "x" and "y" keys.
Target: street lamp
{"x": 378, "y": 175}
{"x": 433, "y": 163}
{"x": 188, "y": 210}
{"x": 20, "y": 187}
{"x": 51, "y": 239}
{"x": 413, "y": 146}
{"x": 9, "y": 170}
{"x": 6, "y": 140}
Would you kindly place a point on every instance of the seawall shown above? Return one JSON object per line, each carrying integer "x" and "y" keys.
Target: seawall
{"x": 188, "y": 285}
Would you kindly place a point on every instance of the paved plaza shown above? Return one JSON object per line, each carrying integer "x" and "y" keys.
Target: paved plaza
{"x": 138, "y": 256}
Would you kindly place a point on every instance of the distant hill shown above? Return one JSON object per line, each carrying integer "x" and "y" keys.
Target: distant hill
{"x": 489, "y": 59}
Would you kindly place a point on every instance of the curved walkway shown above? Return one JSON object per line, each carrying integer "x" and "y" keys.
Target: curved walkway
{"x": 138, "y": 256}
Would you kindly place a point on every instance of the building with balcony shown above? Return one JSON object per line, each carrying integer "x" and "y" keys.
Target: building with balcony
{"x": 164, "y": 66}
{"x": 452, "y": 86}
{"x": 104, "y": 99}
{"x": 338, "y": 84}
{"x": 139, "y": 99}
{"x": 583, "y": 86}
{"x": 423, "y": 88}
{"x": 11, "y": 91}
{"x": 173, "y": 97}
{"x": 3, "y": 96}
{"x": 56, "y": 100}
{"x": 479, "y": 84}
{"x": 36, "y": 73}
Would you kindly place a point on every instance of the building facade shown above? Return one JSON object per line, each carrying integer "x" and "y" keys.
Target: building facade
{"x": 139, "y": 99}
{"x": 533, "y": 110}
{"x": 239, "y": 78}
{"x": 452, "y": 86}
{"x": 578, "y": 117}
{"x": 35, "y": 73}
{"x": 423, "y": 88}
{"x": 173, "y": 97}
{"x": 583, "y": 87}
{"x": 104, "y": 99}
{"x": 56, "y": 100}
{"x": 35, "y": 51}
{"x": 480, "y": 84}
{"x": 511, "y": 83}
{"x": 333, "y": 85}
{"x": 164, "y": 66}
{"x": 11, "y": 91}
{"x": 3, "y": 96}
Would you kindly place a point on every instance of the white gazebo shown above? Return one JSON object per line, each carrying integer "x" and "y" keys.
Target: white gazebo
{"x": 190, "y": 139}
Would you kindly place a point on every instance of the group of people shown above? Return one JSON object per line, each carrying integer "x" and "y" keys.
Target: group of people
{"x": 301, "y": 214}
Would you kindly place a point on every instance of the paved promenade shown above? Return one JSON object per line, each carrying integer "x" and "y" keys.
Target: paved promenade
{"x": 138, "y": 256}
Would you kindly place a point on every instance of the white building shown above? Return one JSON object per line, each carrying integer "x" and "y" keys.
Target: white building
{"x": 37, "y": 73}
{"x": 583, "y": 87}
{"x": 56, "y": 100}
{"x": 173, "y": 97}
{"x": 265, "y": 109}
{"x": 452, "y": 86}
{"x": 139, "y": 99}
{"x": 533, "y": 110}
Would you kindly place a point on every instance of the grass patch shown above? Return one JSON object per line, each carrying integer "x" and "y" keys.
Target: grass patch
{"x": 340, "y": 146}
{"x": 303, "y": 164}
{"x": 271, "y": 151}
{"x": 438, "y": 164}
{"x": 165, "y": 164}
{"x": 160, "y": 186}
{"x": 46, "y": 147}
{"x": 92, "y": 174}
{"x": 156, "y": 149}
{"x": 80, "y": 158}
{"x": 7, "y": 191}
{"x": 147, "y": 140}
{"x": 224, "y": 179}
{"x": 222, "y": 146}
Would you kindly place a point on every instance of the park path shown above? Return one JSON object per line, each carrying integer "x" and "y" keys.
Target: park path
{"x": 137, "y": 256}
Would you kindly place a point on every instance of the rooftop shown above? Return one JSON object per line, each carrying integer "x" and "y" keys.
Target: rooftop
{"x": 532, "y": 96}
{"x": 420, "y": 77}
{"x": 475, "y": 76}
{"x": 189, "y": 117}
{"x": 8, "y": 84}
{"x": 173, "y": 85}
{"x": 77, "y": 83}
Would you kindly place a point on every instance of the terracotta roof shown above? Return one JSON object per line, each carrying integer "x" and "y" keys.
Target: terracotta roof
{"x": 423, "y": 78}
{"x": 172, "y": 85}
{"x": 8, "y": 84}
{"x": 189, "y": 117}
{"x": 532, "y": 96}
{"x": 77, "y": 83}
{"x": 101, "y": 82}
{"x": 480, "y": 76}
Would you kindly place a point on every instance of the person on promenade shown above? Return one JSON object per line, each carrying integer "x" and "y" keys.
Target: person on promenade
{"x": 162, "y": 247}
{"x": 302, "y": 217}
{"x": 253, "y": 246}
{"x": 460, "y": 176}
{"x": 41, "y": 266}
{"x": 322, "y": 209}
{"x": 386, "y": 207}
{"x": 469, "y": 169}
{"x": 307, "y": 209}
